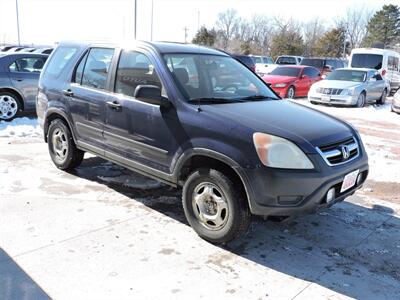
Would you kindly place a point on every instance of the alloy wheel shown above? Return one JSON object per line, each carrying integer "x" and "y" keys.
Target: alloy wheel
{"x": 60, "y": 144}
{"x": 8, "y": 107}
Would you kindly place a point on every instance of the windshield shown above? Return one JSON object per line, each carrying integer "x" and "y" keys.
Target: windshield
{"x": 284, "y": 71}
{"x": 370, "y": 61}
{"x": 347, "y": 75}
{"x": 256, "y": 59}
{"x": 215, "y": 77}
{"x": 313, "y": 62}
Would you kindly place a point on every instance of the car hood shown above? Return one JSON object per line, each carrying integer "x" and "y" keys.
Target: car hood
{"x": 303, "y": 125}
{"x": 278, "y": 79}
{"x": 338, "y": 84}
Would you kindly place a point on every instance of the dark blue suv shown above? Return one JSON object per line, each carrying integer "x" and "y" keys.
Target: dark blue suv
{"x": 195, "y": 117}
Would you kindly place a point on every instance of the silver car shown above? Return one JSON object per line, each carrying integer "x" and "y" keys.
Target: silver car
{"x": 396, "y": 102}
{"x": 19, "y": 76}
{"x": 350, "y": 86}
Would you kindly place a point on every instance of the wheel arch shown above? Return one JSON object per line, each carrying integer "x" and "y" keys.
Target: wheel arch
{"x": 198, "y": 158}
{"x": 51, "y": 115}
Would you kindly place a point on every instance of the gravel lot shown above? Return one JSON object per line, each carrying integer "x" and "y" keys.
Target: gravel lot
{"x": 104, "y": 232}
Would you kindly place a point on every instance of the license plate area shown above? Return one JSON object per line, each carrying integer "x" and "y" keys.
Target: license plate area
{"x": 326, "y": 98}
{"x": 349, "y": 181}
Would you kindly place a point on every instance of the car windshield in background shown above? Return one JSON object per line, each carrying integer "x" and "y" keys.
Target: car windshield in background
{"x": 286, "y": 60}
{"x": 370, "y": 61}
{"x": 284, "y": 71}
{"x": 215, "y": 79}
{"x": 256, "y": 59}
{"x": 347, "y": 75}
{"x": 313, "y": 62}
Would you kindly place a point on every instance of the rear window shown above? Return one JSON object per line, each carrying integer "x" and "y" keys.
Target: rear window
{"x": 313, "y": 62}
{"x": 59, "y": 60}
{"x": 284, "y": 60}
{"x": 370, "y": 61}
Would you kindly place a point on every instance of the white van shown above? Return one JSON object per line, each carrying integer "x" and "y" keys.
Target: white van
{"x": 384, "y": 60}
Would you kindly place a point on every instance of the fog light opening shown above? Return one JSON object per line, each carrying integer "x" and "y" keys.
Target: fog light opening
{"x": 359, "y": 179}
{"x": 330, "y": 196}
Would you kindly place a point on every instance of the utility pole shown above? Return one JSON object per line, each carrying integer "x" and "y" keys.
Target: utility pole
{"x": 198, "y": 20}
{"x": 186, "y": 33}
{"x": 16, "y": 6}
{"x": 151, "y": 29}
{"x": 135, "y": 22}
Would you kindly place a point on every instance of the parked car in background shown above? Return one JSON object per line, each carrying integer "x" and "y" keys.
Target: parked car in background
{"x": 350, "y": 86}
{"x": 233, "y": 145}
{"x": 43, "y": 51}
{"x": 292, "y": 81}
{"x": 261, "y": 59}
{"x": 396, "y": 102}
{"x": 19, "y": 76}
{"x": 14, "y": 49}
{"x": 27, "y": 50}
{"x": 288, "y": 60}
{"x": 324, "y": 65}
{"x": 387, "y": 62}
{"x": 246, "y": 60}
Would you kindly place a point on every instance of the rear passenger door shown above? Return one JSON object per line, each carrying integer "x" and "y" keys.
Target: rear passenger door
{"x": 135, "y": 131}
{"x": 88, "y": 96}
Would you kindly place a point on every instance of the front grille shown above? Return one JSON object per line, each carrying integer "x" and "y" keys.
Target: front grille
{"x": 329, "y": 91}
{"x": 339, "y": 152}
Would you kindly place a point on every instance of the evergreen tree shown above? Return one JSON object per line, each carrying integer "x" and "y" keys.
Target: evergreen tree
{"x": 205, "y": 37}
{"x": 331, "y": 43}
{"x": 384, "y": 27}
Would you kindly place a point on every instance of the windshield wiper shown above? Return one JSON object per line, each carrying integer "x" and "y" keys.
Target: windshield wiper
{"x": 258, "y": 97}
{"x": 211, "y": 100}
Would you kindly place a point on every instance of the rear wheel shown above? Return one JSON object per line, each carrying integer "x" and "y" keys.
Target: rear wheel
{"x": 291, "y": 92}
{"x": 214, "y": 207}
{"x": 382, "y": 99}
{"x": 9, "y": 106}
{"x": 361, "y": 100}
{"x": 62, "y": 148}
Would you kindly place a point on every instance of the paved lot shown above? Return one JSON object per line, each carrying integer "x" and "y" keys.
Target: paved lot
{"x": 104, "y": 232}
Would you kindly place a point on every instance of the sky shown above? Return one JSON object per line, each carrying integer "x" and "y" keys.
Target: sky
{"x": 50, "y": 21}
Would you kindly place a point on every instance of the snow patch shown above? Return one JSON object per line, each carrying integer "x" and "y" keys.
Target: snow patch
{"x": 20, "y": 127}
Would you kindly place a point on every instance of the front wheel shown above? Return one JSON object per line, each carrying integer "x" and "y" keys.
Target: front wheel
{"x": 291, "y": 92}
{"x": 361, "y": 100}
{"x": 214, "y": 207}
{"x": 382, "y": 99}
{"x": 62, "y": 148}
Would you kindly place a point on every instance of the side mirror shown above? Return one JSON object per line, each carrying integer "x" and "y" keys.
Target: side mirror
{"x": 151, "y": 94}
{"x": 304, "y": 76}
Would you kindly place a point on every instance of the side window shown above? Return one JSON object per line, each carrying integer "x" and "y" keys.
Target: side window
{"x": 96, "y": 69}
{"x": 58, "y": 60}
{"x": 393, "y": 63}
{"x": 378, "y": 77}
{"x": 311, "y": 72}
{"x": 79, "y": 70}
{"x": 134, "y": 68}
{"x": 28, "y": 64}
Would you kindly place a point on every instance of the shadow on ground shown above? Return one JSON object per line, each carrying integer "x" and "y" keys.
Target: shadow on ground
{"x": 15, "y": 284}
{"x": 349, "y": 248}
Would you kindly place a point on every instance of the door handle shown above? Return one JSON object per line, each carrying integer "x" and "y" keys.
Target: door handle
{"x": 19, "y": 79}
{"x": 68, "y": 93}
{"x": 114, "y": 105}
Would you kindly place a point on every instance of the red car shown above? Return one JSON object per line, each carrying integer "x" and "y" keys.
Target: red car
{"x": 292, "y": 81}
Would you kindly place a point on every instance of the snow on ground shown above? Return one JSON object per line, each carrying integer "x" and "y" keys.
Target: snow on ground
{"x": 20, "y": 127}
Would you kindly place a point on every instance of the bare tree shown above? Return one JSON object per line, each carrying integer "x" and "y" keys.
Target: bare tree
{"x": 227, "y": 25}
{"x": 312, "y": 32}
{"x": 355, "y": 23}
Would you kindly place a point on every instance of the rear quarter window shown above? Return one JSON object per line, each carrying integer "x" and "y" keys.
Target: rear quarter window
{"x": 59, "y": 60}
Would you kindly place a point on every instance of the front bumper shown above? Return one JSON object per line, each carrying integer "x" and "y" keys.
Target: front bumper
{"x": 279, "y": 192}
{"x": 396, "y": 106}
{"x": 333, "y": 99}
{"x": 282, "y": 92}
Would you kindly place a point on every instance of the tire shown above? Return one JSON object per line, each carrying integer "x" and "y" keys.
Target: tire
{"x": 291, "y": 92}
{"x": 62, "y": 148}
{"x": 382, "y": 99}
{"x": 313, "y": 102}
{"x": 361, "y": 100}
{"x": 229, "y": 217}
{"x": 9, "y": 106}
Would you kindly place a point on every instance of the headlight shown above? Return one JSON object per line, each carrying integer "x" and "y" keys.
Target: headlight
{"x": 279, "y": 85}
{"x": 348, "y": 92}
{"x": 277, "y": 152}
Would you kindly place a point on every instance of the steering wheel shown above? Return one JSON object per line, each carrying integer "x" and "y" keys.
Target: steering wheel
{"x": 229, "y": 86}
